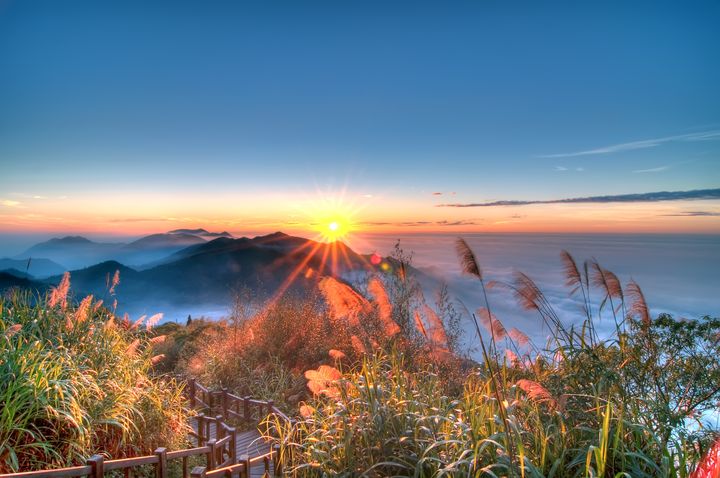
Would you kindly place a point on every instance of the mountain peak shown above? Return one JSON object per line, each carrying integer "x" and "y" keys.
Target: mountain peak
{"x": 189, "y": 231}
{"x": 274, "y": 235}
{"x": 70, "y": 240}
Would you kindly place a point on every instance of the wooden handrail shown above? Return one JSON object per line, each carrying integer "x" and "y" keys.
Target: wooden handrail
{"x": 214, "y": 450}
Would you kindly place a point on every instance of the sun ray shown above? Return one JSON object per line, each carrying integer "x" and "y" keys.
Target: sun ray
{"x": 294, "y": 273}
{"x": 332, "y": 220}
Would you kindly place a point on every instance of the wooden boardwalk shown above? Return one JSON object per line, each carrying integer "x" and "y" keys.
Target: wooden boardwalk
{"x": 247, "y": 443}
{"x": 226, "y": 451}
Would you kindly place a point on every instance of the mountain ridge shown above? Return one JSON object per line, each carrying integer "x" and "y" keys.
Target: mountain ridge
{"x": 76, "y": 252}
{"x": 211, "y": 272}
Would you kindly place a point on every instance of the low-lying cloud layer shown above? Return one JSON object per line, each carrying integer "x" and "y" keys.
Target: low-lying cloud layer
{"x": 642, "y": 197}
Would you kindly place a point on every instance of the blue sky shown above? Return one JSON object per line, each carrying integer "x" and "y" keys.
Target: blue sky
{"x": 487, "y": 100}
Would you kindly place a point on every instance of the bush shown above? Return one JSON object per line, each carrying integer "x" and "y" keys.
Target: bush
{"x": 77, "y": 381}
{"x": 619, "y": 404}
{"x": 382, "y": 420}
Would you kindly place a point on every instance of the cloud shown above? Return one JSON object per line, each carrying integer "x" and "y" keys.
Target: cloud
{"x": 10, "y": 203}
{"x": 457, "y": 223}
{"x": 437, "y": 194}
{"x": 138, "y": 219}
{"x": 652, "y": 170}
{"x": 642, "y": 197}
{"x": 560, "y": 168}
{"x": 692, "y": 214}
{"x": 422, "y": 223}
{"x": 643, "y": 144}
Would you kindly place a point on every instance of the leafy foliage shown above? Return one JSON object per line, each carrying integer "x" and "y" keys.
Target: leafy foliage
{"x": 77, "y": 381}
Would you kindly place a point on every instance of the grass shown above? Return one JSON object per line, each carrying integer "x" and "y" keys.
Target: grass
{"x": 378, "y": 382}
{"x": 78, "y": 381}
{"x": 627, "y": 403}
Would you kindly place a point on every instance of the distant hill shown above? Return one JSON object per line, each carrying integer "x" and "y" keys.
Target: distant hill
{"x": 164, "y": 240}
{"x": 204, "y": 275}
{"x": 39, "y": 268}
{"x": 10, "y": 281}
{"x": 210, "y": 272}
{"x": 77, "y": 252}
{"x": 17, "y": 273}
{"x": 201, "y": 233}
{"x": 72, "y": 251}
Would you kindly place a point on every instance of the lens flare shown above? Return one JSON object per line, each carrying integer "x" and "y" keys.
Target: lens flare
{"x": 335, "y": 230}
{"x": 331, "y": 251}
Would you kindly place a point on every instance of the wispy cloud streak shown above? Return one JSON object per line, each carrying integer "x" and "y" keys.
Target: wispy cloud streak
{"x": 693, "y": 214}
{"x": 642, "y": 197}
{"x": 643, "y": 144}
{"x": 659, "y": 169}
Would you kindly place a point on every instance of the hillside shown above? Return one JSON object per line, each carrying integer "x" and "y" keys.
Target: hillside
{"x": 39, "y": 268}
{"x": 76, "y": 252}
{"x": 9, "y": 281}
{"x": 208, "y": 274}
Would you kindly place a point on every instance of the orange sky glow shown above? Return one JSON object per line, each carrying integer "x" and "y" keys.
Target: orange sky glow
{"x": 305, "y": 214}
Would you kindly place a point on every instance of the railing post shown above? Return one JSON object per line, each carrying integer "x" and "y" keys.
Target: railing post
{"x": 201, "y": 428}
{"x": 219, "y": 429}
{"x": 211, "y": 454}
{"x": 225, "y": 402}
{"x": 198, "y": 472}
{"x": 233, "y": 444}
{"x": 191, "y": 391}
{"x": 277, "y": 463}
{"x": 245, "y": 460}
{"x": 161, "y": 469}
{"x": 246, "y": 409}
{"x": 97, "y": 466}
{"x": 185, "y": 467}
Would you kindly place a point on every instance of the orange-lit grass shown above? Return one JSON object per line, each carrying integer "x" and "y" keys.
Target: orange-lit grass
{"x": 81, "y": 384}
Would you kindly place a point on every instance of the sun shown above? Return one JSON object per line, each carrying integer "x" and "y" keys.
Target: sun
{"x": 331, "y": 217}
{"x": 335, "y": 230}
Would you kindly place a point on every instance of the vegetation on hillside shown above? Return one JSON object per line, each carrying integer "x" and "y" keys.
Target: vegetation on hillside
{"x": 377, "y": 379}
{"x": 381, "y": 388}
{"x": 77, "y": 380}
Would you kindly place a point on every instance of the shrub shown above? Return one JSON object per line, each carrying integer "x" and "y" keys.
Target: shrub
{"x": 78, "y": 381}
{"x": 618, "y": 404}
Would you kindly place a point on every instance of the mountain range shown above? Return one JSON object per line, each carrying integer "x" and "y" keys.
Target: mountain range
{"x": 74, "y": 252}
{"x": 202, "y": 273}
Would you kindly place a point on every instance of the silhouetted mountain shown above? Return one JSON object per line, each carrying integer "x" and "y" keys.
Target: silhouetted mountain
{"x": 77, "y": 252}
{"x": 210, "y": 272}
{"x": 95, "y": 279}
{"x": 72, "y": 251}
{"x": 201, "y": 233}
{"x": 164, "y": 240}
{"x": 39, "y": 268}
{"x": 9, "y": 281}
{"x": 17, "y": 273}
{"x": 216, "y": 245}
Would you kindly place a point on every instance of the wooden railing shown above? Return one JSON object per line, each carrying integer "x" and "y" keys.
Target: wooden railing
{"x": 231, "y": 406}
{"x": 220, "y": 453}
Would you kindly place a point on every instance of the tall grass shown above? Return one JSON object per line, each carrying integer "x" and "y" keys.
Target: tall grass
{"x": 76, "y": 381}
{"x": 588, "y": 403}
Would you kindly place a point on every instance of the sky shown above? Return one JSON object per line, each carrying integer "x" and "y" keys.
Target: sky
{"x": 126, "y": 117}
